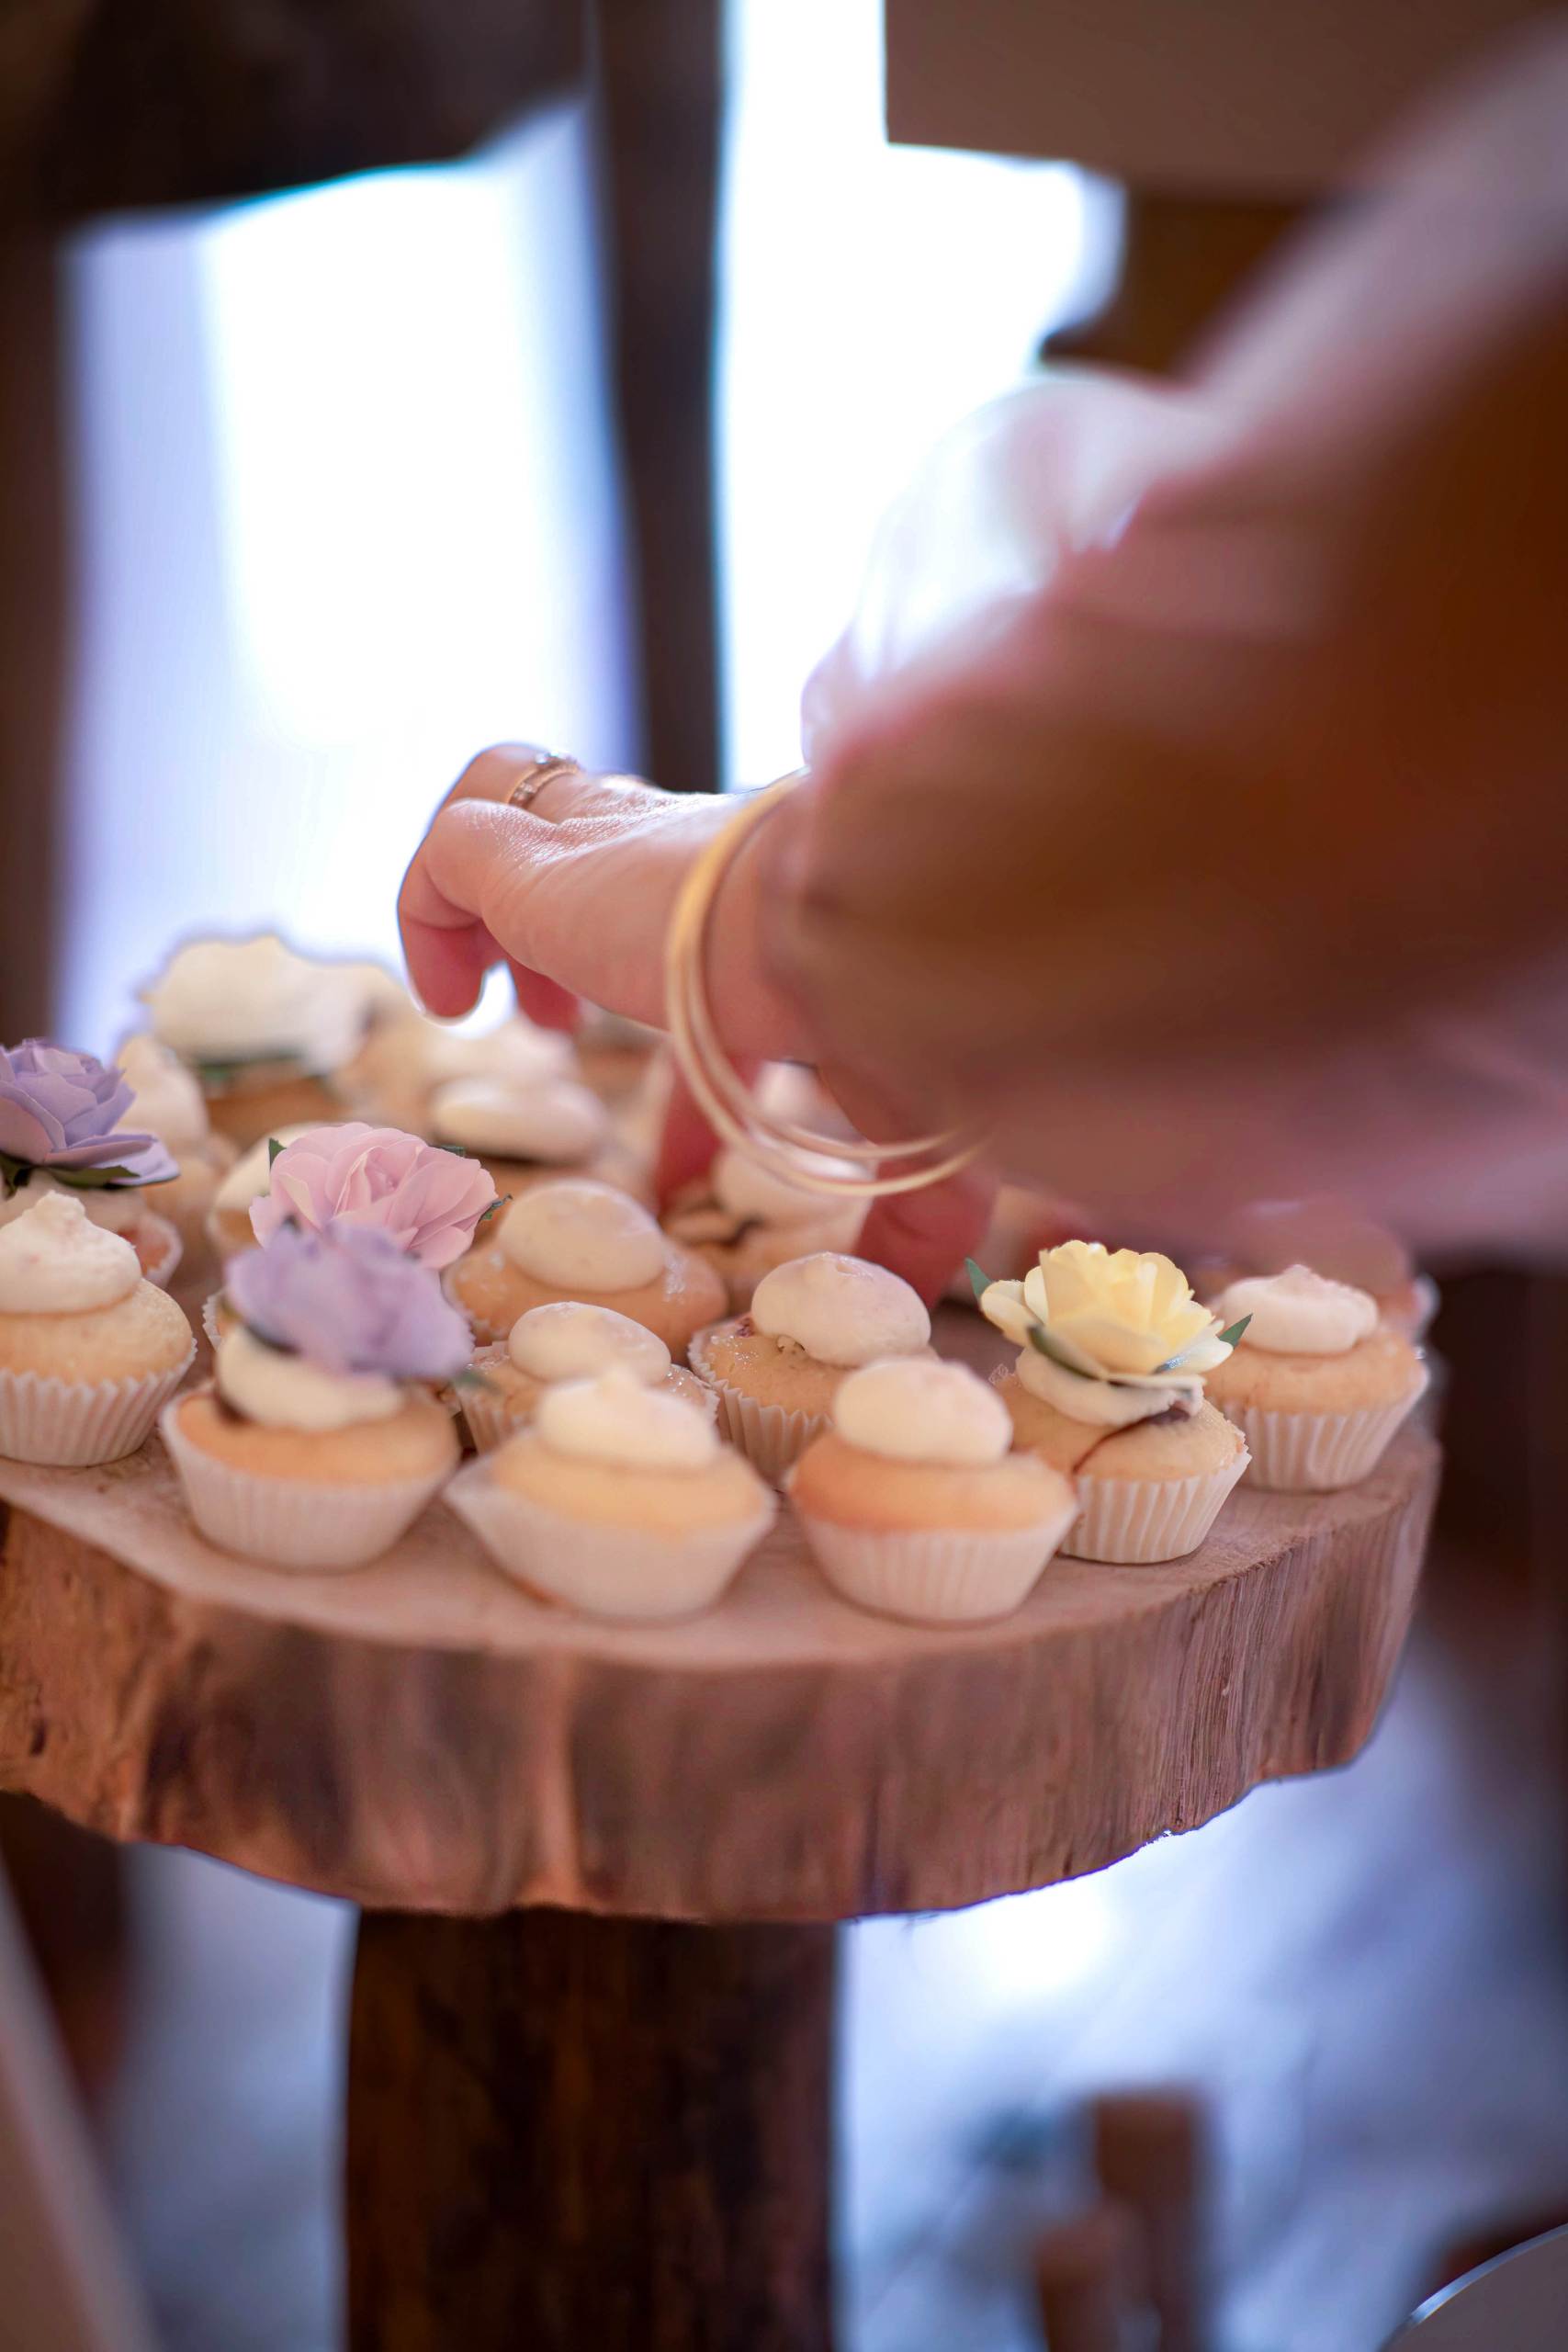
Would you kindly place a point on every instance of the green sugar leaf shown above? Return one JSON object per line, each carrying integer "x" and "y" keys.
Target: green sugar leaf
{"x": 93, "y": 1180}
{"x": 1040, "y": 1341}
{"x": 1231, "y": 1336}
{"x": 980, "y": 1281}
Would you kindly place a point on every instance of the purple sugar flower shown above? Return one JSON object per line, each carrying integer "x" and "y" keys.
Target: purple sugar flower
{"x": 349, "y": 1300}
{"x": 61, "y": 1110}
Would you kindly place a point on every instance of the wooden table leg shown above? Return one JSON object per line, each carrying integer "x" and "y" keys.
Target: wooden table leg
{"x": 567, "y": 2131}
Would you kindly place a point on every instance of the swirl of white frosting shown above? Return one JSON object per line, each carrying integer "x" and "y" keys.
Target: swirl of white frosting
{"x": 552, "y": 1119}
{"x": 569, "y": 1340}
{"x": 616, "y": 1420}
{"x": 117, "y": 1208}
{"x": 250, "y": 1176}
{"x": 1299, "y": 1313}
{"x": 168, "y": 1102}
{"x": 912, "y": 1409}
{"x": 746, "y": 1190}
{"x": 1102, "y": 1404}
{"x": 577, "y": 1234}
{"x": 283, "y": 1391}
{"x": 55, "y": 1261}
{"x": 841, "y": 1311}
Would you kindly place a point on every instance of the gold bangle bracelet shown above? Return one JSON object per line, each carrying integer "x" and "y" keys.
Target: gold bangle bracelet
{"x": 731, "y": 1109}
{"x": 726, "y": 1080}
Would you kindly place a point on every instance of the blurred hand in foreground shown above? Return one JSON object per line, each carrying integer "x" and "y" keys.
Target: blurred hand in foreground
{"x": 1228, "y": 858}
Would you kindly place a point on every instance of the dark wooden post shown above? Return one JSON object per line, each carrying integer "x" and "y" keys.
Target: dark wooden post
{"x": 571, "y": 2133}
{"x": 1085, "y": 2269}
{"x": 1150, "y": 2155}
{"x": 660, "y": 87}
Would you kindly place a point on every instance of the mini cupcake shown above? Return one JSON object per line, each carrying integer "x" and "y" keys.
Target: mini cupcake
{"x": 408, "y": 1056}
{"x": 746, "y": 1221}
{"x": 620, "y": 1501}
{"x": 568, "y": 1341}
{"x": 778, "y": 1367}
{"x": 1109, "y": 1388}
{"x": 61, "y": 1129}
{"x": 523, "y": 1135}
{"x": 1316, "y": 1385}
{"x": 247, "y": 1181}
{"x": 1335, "y": 1239}
{"x": 320, "y": 1441}
{"x": 89, "y": 1349}
{"x": 167, "y": 1101}
{"x": 430, "y": 1201}
{"x": 264, "y": 1028}
{"x": 579, "y": 1239}
{"x": 914, "y": 1504}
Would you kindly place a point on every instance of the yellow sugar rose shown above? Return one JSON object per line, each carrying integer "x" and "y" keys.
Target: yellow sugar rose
{"x": 1110, "y": 1314}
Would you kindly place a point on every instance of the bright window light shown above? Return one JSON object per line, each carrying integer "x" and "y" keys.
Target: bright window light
{"x": 873, "y": 295}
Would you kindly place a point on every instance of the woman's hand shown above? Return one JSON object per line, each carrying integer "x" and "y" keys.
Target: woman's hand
{"x": 574, "y": 894}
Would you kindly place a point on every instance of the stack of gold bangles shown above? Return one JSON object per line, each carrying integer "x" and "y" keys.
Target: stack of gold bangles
{"x": 729, "y": 1105}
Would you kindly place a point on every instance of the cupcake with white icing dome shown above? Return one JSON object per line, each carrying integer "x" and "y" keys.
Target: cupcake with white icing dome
{"x": 777, "y": 1368}
{"x": 618, "y": 1500}
{"x": 1317, "y": 1385}
{"x": 569, "y": 1340}
{"x": 1107, "y": 1388}
{"x": 522, "y": 1134}
{"x": 319, "y": 1439}
{"x": 67, "y": 1125}
{"x": 167, "y": 1102}
{"x": 914, "y": 1503}
{"x": 746, "y": 1220}
{"x": 407, "y": 1057}
{"x": 577, "y": 1239}
{"x": 1334, "y": 1237}
{"x": 247, "y": 1181}
{"x": 89, "y": 1349}
{"x": 264, "y": 1027}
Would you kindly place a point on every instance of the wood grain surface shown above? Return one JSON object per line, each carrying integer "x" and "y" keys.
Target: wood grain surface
{"x": 566, "y": 2131}
{"x": 423, "y": 1735}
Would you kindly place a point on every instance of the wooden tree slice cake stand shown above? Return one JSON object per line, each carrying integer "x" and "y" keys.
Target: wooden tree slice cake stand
{"x": 589, "y": 2056}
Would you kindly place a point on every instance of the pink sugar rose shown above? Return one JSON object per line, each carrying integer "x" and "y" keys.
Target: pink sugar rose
{"x": 427, "y": 1200}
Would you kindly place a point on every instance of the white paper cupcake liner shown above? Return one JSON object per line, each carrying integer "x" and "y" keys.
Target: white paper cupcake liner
{"x": 1133, "y": 1523}
{"x": 935, "y": 1575}
{"x": 490, "y": 1419}
{"x": 1305, "y": 1454}
{"x": 772, "y": 1437}
{"x": 604, "y": 1571}
{"x": 73, "y": 1423}
{"x": 162, "y": 1245}
{"x": 305, "y": 1523}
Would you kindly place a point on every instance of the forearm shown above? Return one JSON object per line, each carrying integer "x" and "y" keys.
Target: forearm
{"x": 1239, "y": 815}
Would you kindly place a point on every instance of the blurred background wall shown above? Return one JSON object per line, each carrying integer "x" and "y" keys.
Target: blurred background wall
{"x": 348, "y": 502}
